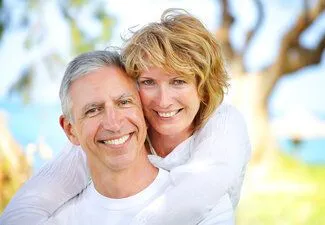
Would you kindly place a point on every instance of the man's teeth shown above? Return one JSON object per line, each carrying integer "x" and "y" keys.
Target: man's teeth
{"x": 118, "y": 141}
{"x": 168, "y": 114}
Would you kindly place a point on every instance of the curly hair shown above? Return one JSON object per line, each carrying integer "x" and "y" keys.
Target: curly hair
{"x": 180, "y": 44}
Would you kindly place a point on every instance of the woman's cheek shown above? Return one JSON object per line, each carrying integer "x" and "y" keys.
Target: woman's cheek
{"x": 145, "y": 97}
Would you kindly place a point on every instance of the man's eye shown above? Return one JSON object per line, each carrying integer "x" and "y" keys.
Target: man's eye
{"x": 92, "y": 112}
{"x": 125, "y": 102}
{"x": 178, "y": 82}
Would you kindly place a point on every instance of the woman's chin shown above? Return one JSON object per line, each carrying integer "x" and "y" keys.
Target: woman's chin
{"x": 168, "y": 129}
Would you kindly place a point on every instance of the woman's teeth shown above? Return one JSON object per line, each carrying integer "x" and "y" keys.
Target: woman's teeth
{"x": 167, "y": 114}
{"x": 117, "y": 141}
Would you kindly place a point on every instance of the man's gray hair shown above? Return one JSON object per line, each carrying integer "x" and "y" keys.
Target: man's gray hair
{"x": 82, "y": 65}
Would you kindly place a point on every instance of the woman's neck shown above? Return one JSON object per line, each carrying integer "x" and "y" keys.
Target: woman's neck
{"x": 165, "y": 144}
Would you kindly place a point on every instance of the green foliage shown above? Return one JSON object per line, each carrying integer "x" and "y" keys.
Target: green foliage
{"x": 33, "y": 3}
{"x": 23, "y": 85}
{"x": 107, "y": 24}
{"x": 1, "y": 29}
{"x": 78, "y": 2}
{"x": 80, "y": 43}
{"x": 1, "y": 19}
{"x": 80, "y": 39}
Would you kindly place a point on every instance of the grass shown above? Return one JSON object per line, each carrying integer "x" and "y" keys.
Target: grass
{"x": 288, "y": 192}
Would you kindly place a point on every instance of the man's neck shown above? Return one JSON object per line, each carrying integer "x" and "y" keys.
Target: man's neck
{"x": 124, "y": 183}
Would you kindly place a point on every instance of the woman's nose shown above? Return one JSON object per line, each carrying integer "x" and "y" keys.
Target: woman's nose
{"x": 164, "y": 97}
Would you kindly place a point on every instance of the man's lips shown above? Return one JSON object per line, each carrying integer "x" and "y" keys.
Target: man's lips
{"x": 117, "y": 140}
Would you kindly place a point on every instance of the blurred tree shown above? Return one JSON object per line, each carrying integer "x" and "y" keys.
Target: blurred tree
{"x": 1, "y": 19}
{"x": 81, "y": 38}
{"x": 14, "y": 168}
{"x": 252, "y": 90}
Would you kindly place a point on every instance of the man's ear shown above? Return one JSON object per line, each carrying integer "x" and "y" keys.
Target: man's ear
{"x": 68, "y": 130}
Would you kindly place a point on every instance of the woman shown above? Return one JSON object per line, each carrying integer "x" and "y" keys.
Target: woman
{"x": 204, "y": 144}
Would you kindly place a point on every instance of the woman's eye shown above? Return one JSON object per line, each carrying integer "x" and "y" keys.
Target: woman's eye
{"x": 147, "y": 82}
{"x": 178, "y": 82}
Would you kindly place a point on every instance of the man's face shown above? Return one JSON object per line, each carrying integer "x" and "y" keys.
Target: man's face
{"x": 108, "y": 119}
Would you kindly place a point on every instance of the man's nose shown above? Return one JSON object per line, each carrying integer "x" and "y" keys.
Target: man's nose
{"x": 112, "y": 120}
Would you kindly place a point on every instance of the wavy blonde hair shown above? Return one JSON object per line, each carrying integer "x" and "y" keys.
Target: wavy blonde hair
{"x": 180, "y": 44}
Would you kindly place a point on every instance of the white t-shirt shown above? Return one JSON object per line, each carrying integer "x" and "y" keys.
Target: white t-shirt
{"x": 90, "y": 207}
{"x": 203, "y": 168}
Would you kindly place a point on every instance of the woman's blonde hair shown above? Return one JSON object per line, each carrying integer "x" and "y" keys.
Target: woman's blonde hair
{"x": 180, "y": 44}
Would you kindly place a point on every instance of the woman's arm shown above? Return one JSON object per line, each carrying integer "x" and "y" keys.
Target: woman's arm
{"x": 215, "y": 166}
{"x": 56, "y": 182}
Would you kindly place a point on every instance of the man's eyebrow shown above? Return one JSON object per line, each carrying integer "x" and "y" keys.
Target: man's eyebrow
{"x": 90, "y": 105}
{"x": 125, "y": 95}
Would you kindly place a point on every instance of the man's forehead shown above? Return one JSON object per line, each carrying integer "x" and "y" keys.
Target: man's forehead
{"x": 123, "y": 94}
{"x": 113, "y": 80}
{"x": 116, "y": 73}
{"x": 125, "y": 88}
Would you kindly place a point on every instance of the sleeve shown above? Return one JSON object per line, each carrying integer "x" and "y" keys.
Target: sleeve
{"x": 56, "y": 182}
{"x": 221, "y": 214}
{"x": 214, "y": 167}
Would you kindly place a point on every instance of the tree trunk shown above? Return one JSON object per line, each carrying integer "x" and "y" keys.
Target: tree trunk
{"x": 247, "y": 94}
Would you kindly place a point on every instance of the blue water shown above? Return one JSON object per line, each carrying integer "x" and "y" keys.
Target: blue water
{"x": 28, "y": 123}
{"x": 311, "y": 151}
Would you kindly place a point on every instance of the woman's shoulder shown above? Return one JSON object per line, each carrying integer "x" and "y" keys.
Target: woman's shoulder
{"x": 225, "y": 115}
{"x": 226, "y": 110}
{"x": 226, "y": 118}
{"x": 226, "y": 125}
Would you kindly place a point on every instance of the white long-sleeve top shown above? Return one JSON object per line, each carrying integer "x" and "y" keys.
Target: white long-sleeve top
{"x": 203, "y": 168}
{"x": 91, "y": 207}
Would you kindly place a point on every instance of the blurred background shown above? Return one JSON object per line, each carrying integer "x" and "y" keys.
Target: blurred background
{"x": 275, "y": 55}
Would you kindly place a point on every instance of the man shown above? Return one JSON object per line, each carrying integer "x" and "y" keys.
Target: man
{"x": 102, "y": 113}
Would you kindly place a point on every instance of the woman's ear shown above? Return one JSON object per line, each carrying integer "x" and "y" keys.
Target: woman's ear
{"x": 69, "y": 130}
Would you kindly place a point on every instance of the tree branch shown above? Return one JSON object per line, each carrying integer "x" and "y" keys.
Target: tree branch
{"x": 223, "y": 33}
{"x": 300, "y": 57}
{"x": 290, "y": 46}
{"x": 292, "y": 56}
{"x": 260, "y": 18}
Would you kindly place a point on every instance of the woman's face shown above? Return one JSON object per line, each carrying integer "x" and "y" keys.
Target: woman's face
{"x": 169, "y": 102}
